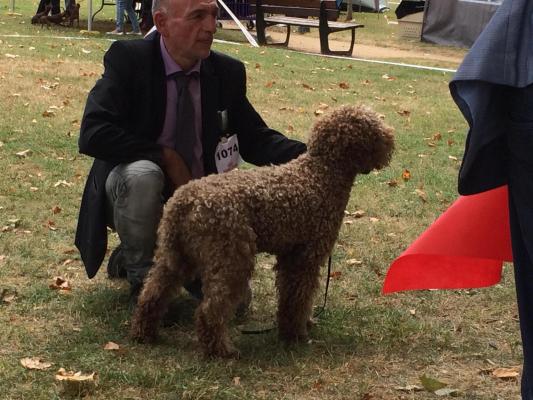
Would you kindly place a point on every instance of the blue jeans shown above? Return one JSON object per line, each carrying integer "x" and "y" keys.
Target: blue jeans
{"x": 127, "y": 6}
{"x": 135, "y": 198}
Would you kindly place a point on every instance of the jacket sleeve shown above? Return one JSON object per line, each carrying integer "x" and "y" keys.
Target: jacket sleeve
{"x": 259, "y": 145}
{"x": 107, "y": 131}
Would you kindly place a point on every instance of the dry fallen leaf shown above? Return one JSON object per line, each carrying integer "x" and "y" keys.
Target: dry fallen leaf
{"x": 344, "y": 85}
{"x": 76, "y": 383}
{"x": 62, "y": 183}
{"x": 6, "y": 296}
{"x": 506, "y": 373}
{"x": 59, "y": 283}
{"x": 359, "y": 214}
{"x": 111, "y": 346}
{"x": 392, "y": 183}
{"x": 35, "y": 363}
{"x": 335, "y": 274}
{"x": 354, "y": 261}
{"x": 410, "y": 388}
{"x": 24, "y": 153}
{"x": 56, "y": 210}
{"x": 421, "y": 194}
{"x": 237, "y": 380}
{"x": 51, "y": 225}
{"x": 404, "y": 113}
{"x": 406, "y": 175}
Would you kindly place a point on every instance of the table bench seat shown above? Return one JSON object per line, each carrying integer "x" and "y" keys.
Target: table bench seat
{"x": 321, "y": 14}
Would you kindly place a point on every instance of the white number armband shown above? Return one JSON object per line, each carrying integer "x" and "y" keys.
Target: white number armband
{"x": 227, "y": 155}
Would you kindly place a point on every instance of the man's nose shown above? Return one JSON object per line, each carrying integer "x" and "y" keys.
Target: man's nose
{"x": 210, "y": 24}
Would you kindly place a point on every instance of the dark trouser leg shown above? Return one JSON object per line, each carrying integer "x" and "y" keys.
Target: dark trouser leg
{"x": 520, "y": 146}
{"x": 42, "y": 5}
{"x": 523, "y": 268}
{"x": 55, "y": 6}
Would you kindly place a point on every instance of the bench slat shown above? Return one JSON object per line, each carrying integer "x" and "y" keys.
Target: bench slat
{"x": 332, "y": 15}
{"x": 313, "y": 23}
{"x": 329, "y": 4}
{"x": 310, "y": 22}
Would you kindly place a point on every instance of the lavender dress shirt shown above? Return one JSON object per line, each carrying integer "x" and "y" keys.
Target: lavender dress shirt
{"x": 168, "y": 134}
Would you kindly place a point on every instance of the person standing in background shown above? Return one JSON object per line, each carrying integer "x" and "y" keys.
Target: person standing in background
{"x": 121, "y": 7}
{"x": 493, "y": 88}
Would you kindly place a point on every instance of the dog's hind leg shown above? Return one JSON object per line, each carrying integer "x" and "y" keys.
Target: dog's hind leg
{"x": 224, "y": 284}
{"x": 165, "y": 276}
{"x": 296, "y": 282}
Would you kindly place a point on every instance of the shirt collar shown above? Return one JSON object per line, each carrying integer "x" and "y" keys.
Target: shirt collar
{"x": 171, "y": 66}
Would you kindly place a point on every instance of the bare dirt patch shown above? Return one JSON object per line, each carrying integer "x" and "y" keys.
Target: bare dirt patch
{"x": 311, "y": 44}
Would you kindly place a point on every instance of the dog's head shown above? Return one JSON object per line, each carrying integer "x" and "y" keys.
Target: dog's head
{"x": 354, "y": 136}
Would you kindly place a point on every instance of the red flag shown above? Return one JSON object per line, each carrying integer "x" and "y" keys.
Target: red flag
{"x": 464, "y": 248}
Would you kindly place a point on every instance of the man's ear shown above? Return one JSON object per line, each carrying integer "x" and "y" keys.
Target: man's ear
{"x": 160, "y": 22}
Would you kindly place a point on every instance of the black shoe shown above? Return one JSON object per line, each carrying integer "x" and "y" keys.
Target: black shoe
{"x": 115, "y": 267}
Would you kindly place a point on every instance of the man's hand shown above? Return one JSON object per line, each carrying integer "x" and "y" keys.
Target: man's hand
{"x": 175, "y": 168}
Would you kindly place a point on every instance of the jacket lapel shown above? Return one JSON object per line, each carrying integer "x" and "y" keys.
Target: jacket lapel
{"x": 210, "y": 89}
{"x": 159, "y": 96}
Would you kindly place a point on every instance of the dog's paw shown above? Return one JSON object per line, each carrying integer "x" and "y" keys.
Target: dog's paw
{"x": 290, "y": 337}
{"x": 227, "y": 352}
{"x": 142, "y": 333}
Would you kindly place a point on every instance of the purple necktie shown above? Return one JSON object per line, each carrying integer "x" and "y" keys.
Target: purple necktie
{"x": 185, "y": 132}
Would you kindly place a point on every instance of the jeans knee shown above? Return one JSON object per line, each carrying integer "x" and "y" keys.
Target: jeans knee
{"x": 141, "y": 182}
{"x": 147, "y": 186}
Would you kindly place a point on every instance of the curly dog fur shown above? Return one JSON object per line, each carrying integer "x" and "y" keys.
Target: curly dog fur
{"x": 214, "y": 227}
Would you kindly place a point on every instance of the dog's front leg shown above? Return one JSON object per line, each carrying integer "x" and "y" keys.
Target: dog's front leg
{"x": 296, "y": 281}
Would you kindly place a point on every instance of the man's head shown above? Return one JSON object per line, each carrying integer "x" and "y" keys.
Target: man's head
{"x": 187, "y": 28}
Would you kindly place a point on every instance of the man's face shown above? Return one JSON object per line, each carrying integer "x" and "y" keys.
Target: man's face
{"x": 187, "y": 27}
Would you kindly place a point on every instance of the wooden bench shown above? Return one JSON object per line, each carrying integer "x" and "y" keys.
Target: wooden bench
{"x": 297, "y": 13}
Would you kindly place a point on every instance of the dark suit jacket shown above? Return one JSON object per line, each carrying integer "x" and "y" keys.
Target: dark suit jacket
{"x": 124, "y": 116}
{"x": 501, "y": 57}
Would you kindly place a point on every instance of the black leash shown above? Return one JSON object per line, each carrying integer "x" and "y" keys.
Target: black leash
{"x": 315, "y": 315}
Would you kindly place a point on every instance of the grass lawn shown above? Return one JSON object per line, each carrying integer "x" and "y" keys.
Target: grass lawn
{"x": 365, "y": 346}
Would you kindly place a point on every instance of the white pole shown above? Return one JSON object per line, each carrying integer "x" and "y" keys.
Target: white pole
{"x": 90, "y": 17}
{"x": 241, "y": 26}
{"x": 12, "y": 6}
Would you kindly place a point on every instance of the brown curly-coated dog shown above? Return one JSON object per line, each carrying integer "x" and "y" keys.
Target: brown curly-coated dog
{"x": 214, "y": 227}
